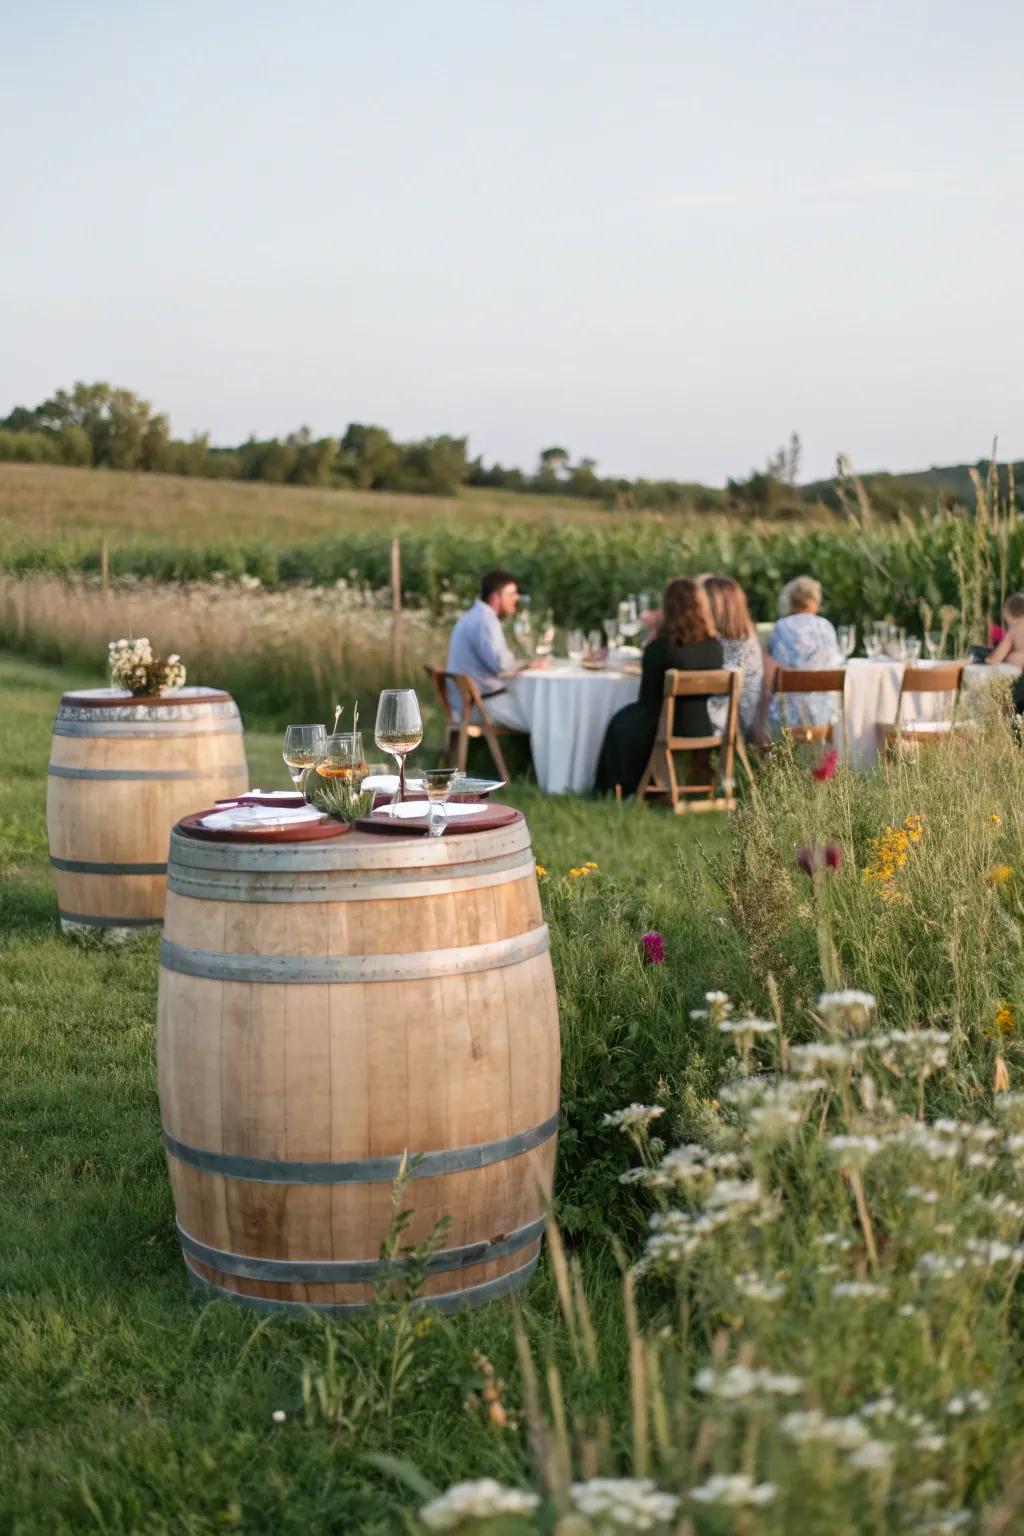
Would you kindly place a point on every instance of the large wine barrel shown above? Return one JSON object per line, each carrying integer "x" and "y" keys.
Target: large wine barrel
{"x": 330, "y": 1008}
{"x": 122, "y": 771}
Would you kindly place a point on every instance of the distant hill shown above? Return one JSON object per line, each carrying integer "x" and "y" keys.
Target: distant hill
{"x": 949, "y": 484}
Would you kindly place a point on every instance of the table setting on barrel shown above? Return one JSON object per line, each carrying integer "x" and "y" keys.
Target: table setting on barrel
{"x": 332, "y": 780}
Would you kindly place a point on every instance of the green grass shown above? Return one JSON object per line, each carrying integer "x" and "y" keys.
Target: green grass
{"x": 128, "y": 1407}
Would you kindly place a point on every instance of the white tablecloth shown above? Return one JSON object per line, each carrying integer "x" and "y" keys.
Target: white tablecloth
{"x": 567, "y": 710}
{"x": 872, "y": 692}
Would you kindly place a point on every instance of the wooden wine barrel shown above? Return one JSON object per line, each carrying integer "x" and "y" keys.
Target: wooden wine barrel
{"x": 328, "y": 1009}
{"x": 122, "y": 771}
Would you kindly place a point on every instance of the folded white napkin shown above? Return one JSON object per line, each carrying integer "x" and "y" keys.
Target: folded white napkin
{"x": 253, "y": 816}
{"x": 416, "y": 810}
{"x": 387, "y": 783}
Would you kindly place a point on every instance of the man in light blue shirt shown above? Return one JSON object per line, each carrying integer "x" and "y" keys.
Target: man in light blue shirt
{"x": 478, "y": 649}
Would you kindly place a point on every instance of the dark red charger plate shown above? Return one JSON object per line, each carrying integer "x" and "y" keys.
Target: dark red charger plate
{"x": 300, "y": 832}
{"x": 494, "y": 816}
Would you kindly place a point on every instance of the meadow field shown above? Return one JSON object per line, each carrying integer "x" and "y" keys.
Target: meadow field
{"x": 781, "y": 1289}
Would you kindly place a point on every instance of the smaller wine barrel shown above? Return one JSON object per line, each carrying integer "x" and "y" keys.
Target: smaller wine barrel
{"x": 330, "y": 1011}
{"x": 123, "y": 770}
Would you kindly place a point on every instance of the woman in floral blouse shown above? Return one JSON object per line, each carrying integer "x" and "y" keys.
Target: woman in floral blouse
{"x": 803, "y": 639}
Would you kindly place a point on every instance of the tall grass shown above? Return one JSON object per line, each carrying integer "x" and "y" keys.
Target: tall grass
{"x": 287, "y": 653}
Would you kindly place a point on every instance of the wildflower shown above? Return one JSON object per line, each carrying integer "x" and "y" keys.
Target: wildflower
{"x": 634, "y": 1117}
{"x": 736, "y": 1491}
{"x": 818, "y": 856}
{"x": 858, "y": 1290}
{"x": 1000, "y": 874}
{"x": 812, "y": 1425}
{"x": 914, "y": 826}
{"x": 653, "y": 948}
{"x": 590, "y": 864}
{"x": 819, "y": 1056}
{"x": 854, "y": 1151}
{"x": 825, "y": 768}
{"x": 755, "y": 1289}
{"x": 747, "y": 1027}
{"x": 630, "y": 1503}
{"x": 278, "y": 1415}
{"x": 995, "y": 819}
{"x": 484, "y": 1499}
{"x": 872, "y": 1456}
{"x": 1005, "y": 1021}
{"x": 974, "y": 1401}
{"x": 740, "y": 1381}
{"x": 541, "y": 872}
{"x": 853, "y": 1011}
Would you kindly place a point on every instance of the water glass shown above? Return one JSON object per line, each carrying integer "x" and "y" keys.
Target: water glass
{"x": 847, "y": 635}
{"x": 611, "y": 631}
{"x": 933, "y": 643}
{"x": 872, "y": 645}
{"x": 399, "y": 730}
{"x": 343, "y": 758}
{"x": 911, "y": 649}
{"x": 303, "y": 745}
{"x": 577, "y": 646}
{"x": 594, "y": 643}
{"x": 439, "y": 784}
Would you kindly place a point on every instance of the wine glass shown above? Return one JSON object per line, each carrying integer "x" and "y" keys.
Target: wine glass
{"x": 546, "y": 639}
{"x": 439, "y": 784}
{"x": 577, "y": 646}
{"x": 847, "y": 635}
{"x": 933, "y": 643}
{"x": 522, "y": 629}
{"x": 303, "y": 745}
{"x": 611, "y": 630}
{"x": 872, "y": 645}
{"x": 594, "y": 643}
{"x": 399, "y": 730}
{"x": 911, "y": 649}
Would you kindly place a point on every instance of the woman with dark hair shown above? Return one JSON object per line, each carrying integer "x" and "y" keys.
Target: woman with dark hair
{"x": 686, "y": 642}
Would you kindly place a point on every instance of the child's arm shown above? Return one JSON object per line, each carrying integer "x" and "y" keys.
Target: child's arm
{"x": 1002, "y": 650}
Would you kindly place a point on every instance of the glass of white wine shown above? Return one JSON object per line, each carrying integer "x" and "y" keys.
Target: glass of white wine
{"x": 399, "y": 730}
{"x": 303, "y": 746}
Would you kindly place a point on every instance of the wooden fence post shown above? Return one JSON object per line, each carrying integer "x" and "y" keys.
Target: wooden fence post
{"x": 396, "y": 607}
{"x": 104, "y": 568}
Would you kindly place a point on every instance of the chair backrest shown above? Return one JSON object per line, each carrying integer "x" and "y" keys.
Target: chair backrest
{"x": 688, "y": 685}
{"x": 808, "y": 680}
{"x": 469, "y": 692}
{"x": 945, "y": 679}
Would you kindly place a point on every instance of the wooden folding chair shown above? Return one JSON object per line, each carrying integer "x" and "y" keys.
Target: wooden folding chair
{"x": 793, "y": 681}
{"x": 473, "y": 723}
{"x": 903, "y": 733}
{"x": 660, "y": 776}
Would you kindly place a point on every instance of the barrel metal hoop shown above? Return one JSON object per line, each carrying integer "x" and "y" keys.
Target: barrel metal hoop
{"x": 448, "y": 1302}
{"x": 367, "y": 1170}
{"x": 318, "y": 885}
{"x": 92, "y": 867}
{"x": 320, "y": 970}
{"x": 59, "y": 771}
{"x": 90, "y": 920}
{"x": 146, "y": 730}
{"x": 390, "y": 855}
{"x": 356, "y": 1271}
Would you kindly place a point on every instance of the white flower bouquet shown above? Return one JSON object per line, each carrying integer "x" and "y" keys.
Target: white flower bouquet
{"x": 134, "y": 666}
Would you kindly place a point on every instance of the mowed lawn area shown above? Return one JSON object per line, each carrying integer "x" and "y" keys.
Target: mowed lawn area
{"x": 128, "y": 1405}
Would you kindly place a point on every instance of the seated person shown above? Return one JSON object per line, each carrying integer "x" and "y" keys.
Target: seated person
{"x": 686, "y": 642}
{"x": 740, "y": 647}
{"x": 1010, "y": 649}
{"x": 803, "y": 639}
{"x": 478, "y": 649}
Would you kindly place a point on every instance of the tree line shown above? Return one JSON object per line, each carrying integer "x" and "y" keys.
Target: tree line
{"x": 99, "y": 424}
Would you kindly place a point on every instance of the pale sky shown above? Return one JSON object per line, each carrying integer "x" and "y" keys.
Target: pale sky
{"x": 663, "y": 234}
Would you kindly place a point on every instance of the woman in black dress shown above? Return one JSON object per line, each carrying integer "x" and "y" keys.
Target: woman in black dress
{"x": 686, "y": 642}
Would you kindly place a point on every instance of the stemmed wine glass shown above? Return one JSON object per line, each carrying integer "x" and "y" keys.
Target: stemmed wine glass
{"x": 933, "y": 643}
{"x": 303, "y": 746}
{"x": 439, "y": 783}
{"x": 847, "y": 636}
{"x": 399, "y": 731}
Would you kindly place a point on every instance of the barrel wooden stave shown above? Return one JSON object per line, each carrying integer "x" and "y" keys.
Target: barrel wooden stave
{"x": 345, "y": 1072}
{"x": 112, "y": 799}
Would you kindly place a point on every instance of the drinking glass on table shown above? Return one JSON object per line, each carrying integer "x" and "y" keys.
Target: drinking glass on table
{"x": 594, "y": 642}
{"x": 303, "y": 745}
{"x": 343, "y": 758}
{"x": 439, "y": 784}
{"x": 847, "y": 635}
{"x": 872, "y": 645}
{"x": 546, "y": 639}
{"x": 577, "y": 646}
{"x": 933, "y": 643}
{"x": 911, "y": 649}
{"x": 399, "y": 730}
{"x": 611, "y": 630}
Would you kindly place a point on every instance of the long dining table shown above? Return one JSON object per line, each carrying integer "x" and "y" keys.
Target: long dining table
{"x": 567, "y": 709}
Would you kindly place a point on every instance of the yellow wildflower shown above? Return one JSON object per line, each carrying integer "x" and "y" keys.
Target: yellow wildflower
{"x": 999, "y": 874}
{"x": 1005, "y": 1020}
{"x": 541, "y": 872}
{"x": 996, "y": 819}
{"x": 914, "y": 825}
{"x": 576, "y": 873}
{"x": 590, "y": 864}
{"x": 894, "y": 897}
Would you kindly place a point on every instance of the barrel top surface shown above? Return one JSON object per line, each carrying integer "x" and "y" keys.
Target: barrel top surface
{"x": 189, "y": 828}
{"x": 120, "y": 698}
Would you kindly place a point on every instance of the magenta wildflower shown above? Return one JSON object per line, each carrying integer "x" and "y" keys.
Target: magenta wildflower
{"x": 652, "y": 946}
{"x": 825, "y": 767}
{"x": 818, "y": 856}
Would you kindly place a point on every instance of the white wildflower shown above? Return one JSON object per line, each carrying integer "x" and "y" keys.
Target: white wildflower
{"x": 756, "y": 1289}
{"x": 278, "y": 1415}
{"x": 973, "y": 1401}
{"x": 747, "y": 1027}
{"x": 919, "y": 1192}
{"x": 634, "y": 1117}
{"x": 931, "y": 1442}
{"x": 484, "y": 1499}
{"x": 858, "y": 1290}
{"x": 938, "y": 1266}
{"x": 811, "y": 1426}
{"x": 872, "y": 1456}
{"x": 741, "y": 1381}
{"x": 820, "y": 1056}
{"x": 854, "y": 1151}
{"x": 736, "y": 1492}
{"x": 854, "y": 1011}
{"x": 622, "y": 1503}
{"x": 732, "y": 1193}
